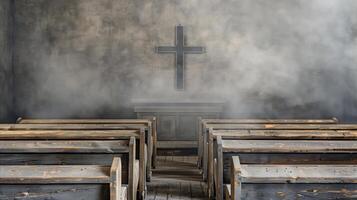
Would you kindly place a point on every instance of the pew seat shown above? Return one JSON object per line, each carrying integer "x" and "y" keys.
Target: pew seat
{"x": 291, "y": 181}
{"x": 80, "y": 176}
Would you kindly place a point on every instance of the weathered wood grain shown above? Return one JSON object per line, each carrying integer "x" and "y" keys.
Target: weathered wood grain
{"x": 64, "y": 174}
{"x": 298, "y": 173}
{"x": 299, "y": 191}
{"x": 47, "y": 174}
{"x": 64, "y": 146}
{"x": 282, "y": 126}
{"x": 83, "y": 121}
{"x": 142, "y": 165}
{"x": 115, "y": 180}
{"x": 69, "y": 135}
{"x": 235, "y": 189}
{"x": 132, "y": 171}
{"x": 286, "y": 134}
{"x": 270, "y": 121}
{"x": 289, "y": 146}
{"x": 54, "y": 192}
{"x": 72, "y": 126}
{"x": 290, "y": 178}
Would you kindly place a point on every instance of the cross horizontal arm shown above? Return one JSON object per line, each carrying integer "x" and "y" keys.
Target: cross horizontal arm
{"x": 165, "y": 49}
{"x": 194, "y": 50}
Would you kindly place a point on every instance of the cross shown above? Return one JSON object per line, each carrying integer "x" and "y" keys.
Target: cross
{"x": 180, "y": 50}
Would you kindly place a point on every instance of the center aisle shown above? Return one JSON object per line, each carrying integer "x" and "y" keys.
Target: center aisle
{"x": 176, "y": 177}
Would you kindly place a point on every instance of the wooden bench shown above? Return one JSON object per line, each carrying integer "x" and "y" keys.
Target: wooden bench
{"x": 83, "y": 127}
{"x": 149, "y": 124}
{"x": 271, "y": 127}
{"x": 279, "y": 152}
{"x": 76, "y": 147}
{"x": 261, "y": 182}
{"x": 244, "y": 124}
{"x": 270, "y": 135}
{"x": 205, "y": 125}
{"x": 63, "y": 182}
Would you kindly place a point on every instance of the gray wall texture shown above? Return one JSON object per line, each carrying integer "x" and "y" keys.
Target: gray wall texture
{"x": 5, "y": 61}
{"x": 273, "y": 58}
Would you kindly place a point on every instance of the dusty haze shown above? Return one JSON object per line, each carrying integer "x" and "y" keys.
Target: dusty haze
{"x": 265, "y": 58}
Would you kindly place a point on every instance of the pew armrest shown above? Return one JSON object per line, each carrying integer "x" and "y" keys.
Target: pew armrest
{"x": 115, "y": 180}
{"x": 136, "y": 175}
{"x": 236, "y": 184}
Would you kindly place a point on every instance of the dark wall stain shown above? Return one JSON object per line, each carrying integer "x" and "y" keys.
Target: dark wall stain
{"x": 5, "y": 61}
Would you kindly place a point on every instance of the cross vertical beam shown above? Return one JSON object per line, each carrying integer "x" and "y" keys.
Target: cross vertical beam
{"x": 180, "y": 50}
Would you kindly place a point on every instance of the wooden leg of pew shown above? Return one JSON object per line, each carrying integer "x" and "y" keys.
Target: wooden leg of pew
{"x": 199, "y": 150}
{"x": 136, "y": 176}
{"x": 210, "y": 166}
{"x": 154, "y": 137}
{"x": 149, "y": 155}
{"x": 227, "y": 192}
{"x": 236, "y": 185}
{"x": 214, "y": 176}
{"x": 219, "y": 182}
{"x": 115, "y": 180}
{"x": 132, "y": 189}
{"x": 142, "y": 180}
{"x": 204, "y": 159}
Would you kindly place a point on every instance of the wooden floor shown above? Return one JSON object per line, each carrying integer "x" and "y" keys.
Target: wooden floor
{"x": 176, "y": 177}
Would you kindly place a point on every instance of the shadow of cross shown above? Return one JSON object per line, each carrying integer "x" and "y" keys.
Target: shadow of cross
{"x": 180, "y": 50}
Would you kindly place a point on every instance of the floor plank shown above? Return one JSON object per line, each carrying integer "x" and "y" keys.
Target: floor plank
{"x": 176, "y": 177}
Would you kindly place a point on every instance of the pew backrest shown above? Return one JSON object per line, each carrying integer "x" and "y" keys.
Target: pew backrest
{"x": 288, "y": 174}
{"x": 65, "y": 175}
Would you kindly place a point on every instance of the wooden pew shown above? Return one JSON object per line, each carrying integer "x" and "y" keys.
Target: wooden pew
{"x": 292, "y": 152}
{"x": 260, "y": 182}
{"x": 204, "y": 126}
{"x": 242, "y": 124}
{"x": 74, "y": 147}
{"x": 270, "y": 135}
{"x": 102, "y": 124}
{"x": 84, "y": 127}
{"x": 65, "y": 181}
{"x": 149, "y": 121}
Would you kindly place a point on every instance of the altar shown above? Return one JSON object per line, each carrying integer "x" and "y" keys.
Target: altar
{"x": 177, "y": 122}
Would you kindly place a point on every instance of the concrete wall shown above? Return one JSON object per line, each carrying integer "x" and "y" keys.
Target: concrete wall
{"x": 5, "y": 61}
{"x": 277, "y": 58}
